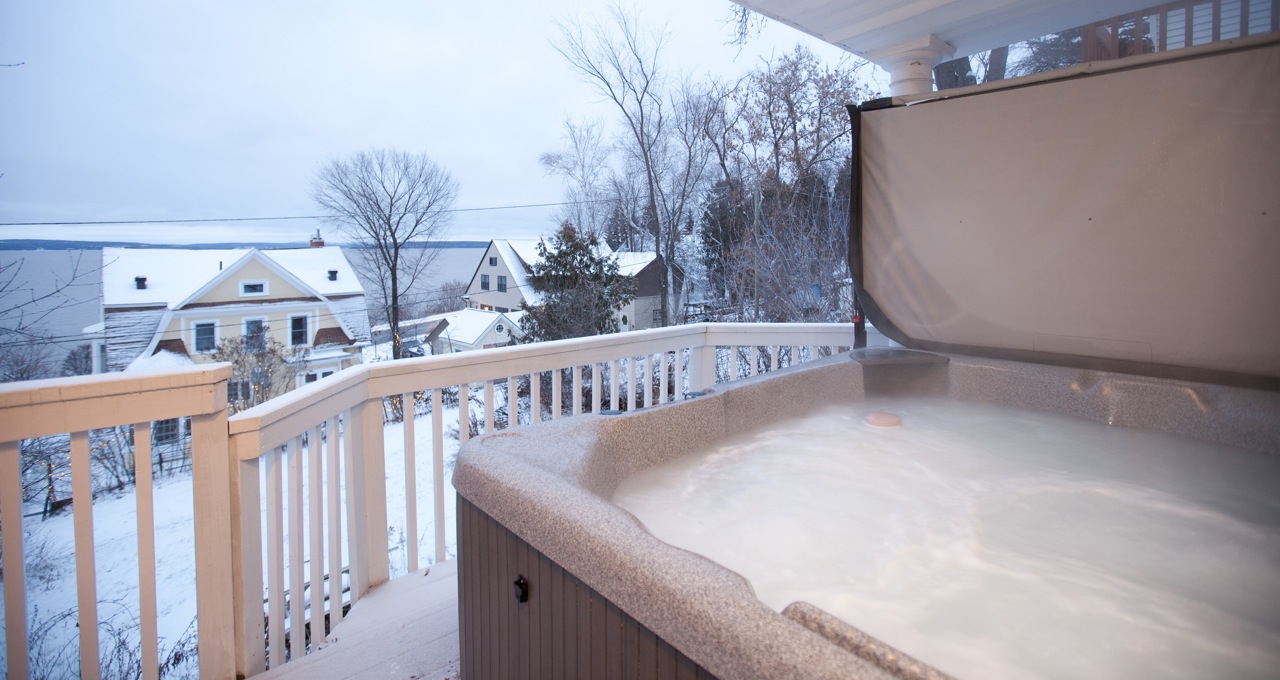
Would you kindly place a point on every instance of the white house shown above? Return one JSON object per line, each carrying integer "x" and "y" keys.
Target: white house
{"x": 164, "y": 301}
{"x": 472, "y": 329}
{"x": 501, "y": 281}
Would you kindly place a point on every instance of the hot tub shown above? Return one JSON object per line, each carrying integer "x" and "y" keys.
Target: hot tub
{"x": 1032, "y": 247}
{"x": 604, "y": 597}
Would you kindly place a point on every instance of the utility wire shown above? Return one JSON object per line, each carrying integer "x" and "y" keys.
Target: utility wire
{"x": 280, "y": 218}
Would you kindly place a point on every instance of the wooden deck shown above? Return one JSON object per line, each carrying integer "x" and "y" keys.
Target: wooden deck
{"x": 404, "y": 629}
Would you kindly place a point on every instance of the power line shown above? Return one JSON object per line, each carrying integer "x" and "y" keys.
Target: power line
{"x": 278, "y": 218}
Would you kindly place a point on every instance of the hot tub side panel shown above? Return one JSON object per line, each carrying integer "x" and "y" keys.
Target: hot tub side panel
{"x": 564, "y": 630}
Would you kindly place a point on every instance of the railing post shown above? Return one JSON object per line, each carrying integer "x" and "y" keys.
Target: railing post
{"x": 211, "y": 481}
{"x": 15, "y": 608}
{"x": 367, "y": 428}
{"x": 702, "y": 367}
{"x": 246, "y": 556}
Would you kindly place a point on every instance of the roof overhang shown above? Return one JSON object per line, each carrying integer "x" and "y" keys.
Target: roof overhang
{"x": 872, "y": 27}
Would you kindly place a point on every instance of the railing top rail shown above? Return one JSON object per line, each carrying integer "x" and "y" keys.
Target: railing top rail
{"x": 55, "y": 406}
{"x": 274, "y": 422}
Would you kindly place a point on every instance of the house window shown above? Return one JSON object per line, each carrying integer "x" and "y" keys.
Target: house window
{"x": 238, "y": 392}
{"x": 206, "y": 337}
{"x": 657, "y": 317}
{"x": 504, "y": 310}
{"x": 255, "y": 334}
{"x": 500, "y": 328}
{"x": 502, "y": 284}
{"x": 311, "y": 377}
{"x": 164, "y": 431}
{"x": 484, "y": 282}
{"x": 298, "y": 330}
{"x": 493, "y": 262}
{"x": 253, "y": 288}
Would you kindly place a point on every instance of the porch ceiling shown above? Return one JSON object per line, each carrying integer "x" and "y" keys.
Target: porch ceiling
{"x": 970, "y": 26}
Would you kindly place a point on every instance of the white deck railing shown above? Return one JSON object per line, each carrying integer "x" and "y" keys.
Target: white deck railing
{"x": 294, "y": 493}
{"x": 75, "y": 406}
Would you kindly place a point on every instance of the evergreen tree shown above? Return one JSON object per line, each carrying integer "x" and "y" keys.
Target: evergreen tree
{"x": 581, "y": 289}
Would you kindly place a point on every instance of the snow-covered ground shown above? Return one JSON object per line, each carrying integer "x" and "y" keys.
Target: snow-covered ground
{"x": 50, "y": 563}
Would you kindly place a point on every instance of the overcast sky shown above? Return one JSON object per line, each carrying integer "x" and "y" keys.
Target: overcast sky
{"x": 132, "y": 110}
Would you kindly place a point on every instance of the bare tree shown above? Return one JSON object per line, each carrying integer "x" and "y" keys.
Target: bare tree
{"x": 584, "y": 166}
{"x": 774, "y": 226}
{"x": 622, "y": 63}
{"x": 389, "y": 203}
{"x": 78, "y": 361}
{"x": 661, "y": 138}
{"x": 447, "y": 297}
{"x": 24, "y": 308}
{"x": 261, "y": 368}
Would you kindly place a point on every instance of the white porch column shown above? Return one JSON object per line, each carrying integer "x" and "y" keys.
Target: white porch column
{"x": 910, "y": 64}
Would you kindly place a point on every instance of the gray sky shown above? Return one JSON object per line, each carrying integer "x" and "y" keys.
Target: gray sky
{"x": 132, "y": 110}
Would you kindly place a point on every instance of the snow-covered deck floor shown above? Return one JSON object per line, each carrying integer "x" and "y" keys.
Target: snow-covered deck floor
{"x": 405, "y": 629}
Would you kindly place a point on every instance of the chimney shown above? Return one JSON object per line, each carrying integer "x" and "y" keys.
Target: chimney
{"x": 333, "y": 274}
{"x": 316, "y": 240}
{"x": 140, "y": 282}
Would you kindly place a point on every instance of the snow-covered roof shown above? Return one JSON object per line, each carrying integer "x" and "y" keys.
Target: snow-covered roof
{"x": 129, "y": 334}
{"x": 174, "y": 275}
{"x": 161, "y": 359}
{"x": 468, "y": 326}
{"x": 521, "y": 254}
{"x": 630, "y": 264}
{"x": 352, "y": 315}
{"x": 507, "y": 250}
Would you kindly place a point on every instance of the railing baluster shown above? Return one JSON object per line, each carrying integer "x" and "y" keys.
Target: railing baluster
{"x": 488, "y": 407}
{"x": 613, "y": 384}
{"x": 86, "y": 578}
{"x": 357, "y": 542}
{"x": 437, "y": 449}
{"x": 663, "y": 381}
{"x": 145, "y": 506}
{"x": 755, "y": 357}
{"x": 275, "y": 555}
{"x": 596, "y": 387}
{"x": 464, "y": 413}
{"x": 15, "y": 604}
{"x": 410, "y": 484}
{"x": 333, "y": 468}
{"x": 631, "y": 383}
{"x": 556, "y": 392}
{"x": 679, "y": 362}
{"x": 535, "y": 397}
{"x": 315, "y": 496}
{"x": 576, "y": 393}
{"x": 297, "y": 598}
{"x": 513, "y": 404}
{"x": 647, "y": 383}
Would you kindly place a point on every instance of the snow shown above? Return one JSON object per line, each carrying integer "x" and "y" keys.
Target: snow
{"x": 509, "y": 250}
{"x": 468, "y": 326}
{"x": 161, "y": 359}
{"x": 174, "y": 275}
{"x": 116, "y": 546}
{"x": 630, "y": 264}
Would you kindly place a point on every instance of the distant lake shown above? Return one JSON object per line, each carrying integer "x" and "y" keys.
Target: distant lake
{"x": 65, "y": 317}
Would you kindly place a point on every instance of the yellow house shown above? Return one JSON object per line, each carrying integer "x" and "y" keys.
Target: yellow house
{"x": 162, "y": 305}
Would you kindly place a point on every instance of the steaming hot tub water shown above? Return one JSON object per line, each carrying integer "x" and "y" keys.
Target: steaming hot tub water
{"x": 993, "y": 542}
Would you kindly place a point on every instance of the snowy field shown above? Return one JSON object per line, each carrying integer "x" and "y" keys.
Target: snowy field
{"x": 50, "y": 560}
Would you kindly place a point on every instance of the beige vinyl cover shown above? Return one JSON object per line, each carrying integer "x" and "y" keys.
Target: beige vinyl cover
{"x": 1131, "y": 217}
